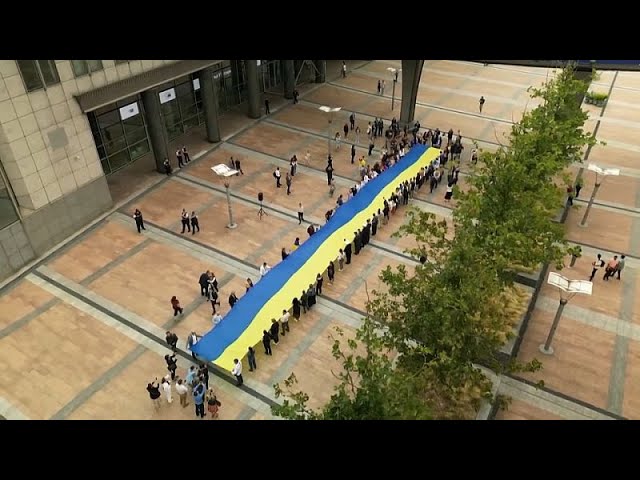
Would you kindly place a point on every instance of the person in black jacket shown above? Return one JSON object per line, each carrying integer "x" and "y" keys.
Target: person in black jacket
{"x": 319, "y": 282}
{"x": 154, "y": 393}
{"x": 274, "y": 331}
{"x": 137, "y": 216}
{"x": 204, "y": 283}
{"x": 251, "y": 358}
{"x": 374, "y": 224}
{"x": 331, "y": 272}
{"x": 266, "y": 342}
{"x": 311, "y": 296}
{"x": 304, "y": 301}
{"x": 357, "y": 242}
{"x": 232, "y": 299}
{"x": 347, "y": 252}
{"x": 172, "y": 364}
{"x": 172, "y": 340}
{"x": 296, "y": 309}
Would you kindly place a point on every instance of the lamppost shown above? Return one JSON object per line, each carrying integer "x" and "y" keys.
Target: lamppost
{"x": 330, "y": 111}
{"x": 224, "y": 171}
{"x": 394, "y": 73}
{"x": 604, "y": 173}
{"x": 568, "y": 289}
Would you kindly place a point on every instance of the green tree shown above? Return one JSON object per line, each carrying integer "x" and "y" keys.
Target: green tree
{"x": 370, "y": 386}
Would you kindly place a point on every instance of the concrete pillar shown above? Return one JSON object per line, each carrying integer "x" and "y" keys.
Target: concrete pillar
{"x": 289, "y": 74}
{"x": 210, "y": 104}
{"x": 253, "y": 88}
{"x": 155, "y": 127}
{"x": 411, "y": 72}
{"x": 321, "y": 74}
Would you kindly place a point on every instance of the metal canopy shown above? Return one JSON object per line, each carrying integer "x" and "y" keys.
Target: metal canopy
{"x": 99, "y": 97}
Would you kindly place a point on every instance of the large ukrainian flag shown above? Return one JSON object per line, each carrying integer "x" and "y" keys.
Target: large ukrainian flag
{"x": 242, "y": 327}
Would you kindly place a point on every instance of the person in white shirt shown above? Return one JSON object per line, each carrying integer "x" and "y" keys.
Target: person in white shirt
{"x": 216, "y": 319}
{"x": 166, "y": 388}
{"x": 284, "y": 322}
{"x": 264, "y": 269}
{"x": 182, "y": 390}
{"x": 365, "y": 180}
{"x": 307, "y": 157}
{"x": 237, "y": 372}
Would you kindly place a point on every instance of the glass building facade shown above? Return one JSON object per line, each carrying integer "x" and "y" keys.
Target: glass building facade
{"x": 119, "y": 141}
{"x": 122, "y": 141}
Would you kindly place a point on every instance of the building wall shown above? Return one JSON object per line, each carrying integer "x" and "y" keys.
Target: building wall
{"x": 50, "y": 158}
{"x": 46, "y": 144}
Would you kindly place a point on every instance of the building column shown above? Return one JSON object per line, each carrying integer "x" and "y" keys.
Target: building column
{"x": 411, "y": 72}
{"x": 253, "y": 88}
{"x": 210, "y": 104}
{"x": 289, "y": 74}
{"x": 155, "y": 127}
{"x": 321, "y": 73}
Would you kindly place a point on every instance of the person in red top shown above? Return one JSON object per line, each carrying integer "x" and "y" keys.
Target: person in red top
{"x": 177, "y": 309}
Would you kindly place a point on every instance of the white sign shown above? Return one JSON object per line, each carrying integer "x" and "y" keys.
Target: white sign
{"x": 196, "y": 84}
{"x": 570, "y": 286}
{"x": 223, "y": 170}
{"x": 167, "y": 95}
{"x": 129, "y": 111}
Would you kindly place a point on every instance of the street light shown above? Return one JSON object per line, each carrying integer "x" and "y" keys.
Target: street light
{"x": 568, "y": 289}
{"x": 224, "y": 171}
{"x": 394, "y": 72}
{"x": 604, "y": 172}
{"x": 330, "y": 111}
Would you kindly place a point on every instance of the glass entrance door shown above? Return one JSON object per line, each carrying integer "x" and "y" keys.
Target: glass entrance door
{"x": 271, "y": 74}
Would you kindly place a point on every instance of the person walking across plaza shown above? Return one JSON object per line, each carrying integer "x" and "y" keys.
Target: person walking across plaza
{"x": 203, "y": 281}
{"x": 237, "y": 372}
{"x": 300, "y": 213}
{"x": 611, "y": 268}
{"x": 137, "y": 216}
{"x": 597, "y": 264}
{"x": 481, "y": 103}
{"x": 267, "y": 110}
{"x": 251, "y": 358}
{"x": 344, "y": 69}
{"x": 175, "y": 304}
{"x": 185, "y": 154}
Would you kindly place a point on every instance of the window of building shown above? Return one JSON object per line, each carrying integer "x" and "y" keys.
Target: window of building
{"x": 8, "y": 214}
{"x": 185, "y": 111}
{"x": 37, "y": 74}
{"x": 119, "y": 142}
{"x": 84, "y": 67}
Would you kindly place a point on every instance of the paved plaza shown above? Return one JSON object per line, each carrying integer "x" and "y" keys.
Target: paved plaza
{"x": 82, "y": 333}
